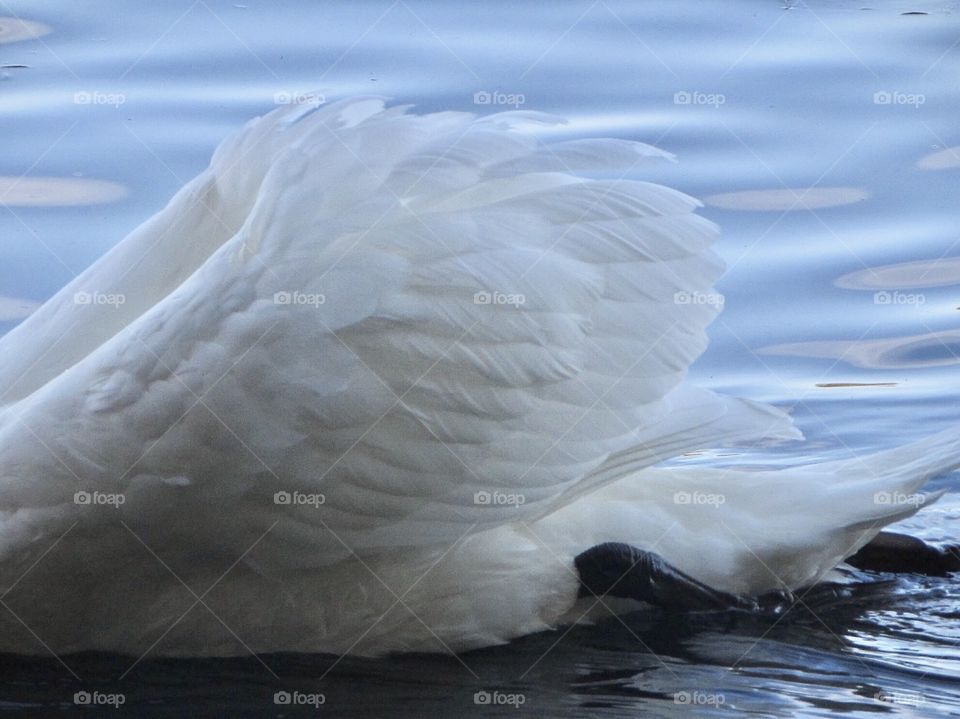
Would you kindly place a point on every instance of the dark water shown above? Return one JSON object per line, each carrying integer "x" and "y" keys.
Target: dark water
{"x": 867, "y": 651}
{"x": 854, "y": 282}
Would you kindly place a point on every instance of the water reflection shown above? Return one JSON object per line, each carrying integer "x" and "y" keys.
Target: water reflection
{"x": 829, "y": 652}
{"x": 57, "y": 191}
{"x": 798, "y": 86}
{"x": 834, "y": 385}
{"x": 904, "y": 275}
{"x": 934, "y": 349}
{"x": 810, "y": 198}
{"x": 14, "y": 29}
{"x": 942, "y": 160}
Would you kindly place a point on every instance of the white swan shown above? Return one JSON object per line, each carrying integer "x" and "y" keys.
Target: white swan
{"x": 381, "y": 381}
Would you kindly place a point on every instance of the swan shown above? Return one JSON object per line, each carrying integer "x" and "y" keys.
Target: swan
{"x": 378, "y": 381}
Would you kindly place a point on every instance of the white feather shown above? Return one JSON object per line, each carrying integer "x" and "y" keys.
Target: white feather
{"x": 307, "y": 316}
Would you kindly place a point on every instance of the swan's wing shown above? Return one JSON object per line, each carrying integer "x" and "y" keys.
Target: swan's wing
{"x": 417, "y": 328}
{"x": 156, "y": 257}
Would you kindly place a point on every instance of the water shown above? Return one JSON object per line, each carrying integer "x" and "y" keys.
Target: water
{"x": 856, "y": 99}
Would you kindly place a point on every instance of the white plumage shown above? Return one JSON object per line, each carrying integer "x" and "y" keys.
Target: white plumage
{"x": 395, "y": 321}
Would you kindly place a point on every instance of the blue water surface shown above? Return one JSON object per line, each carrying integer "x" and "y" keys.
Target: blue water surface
{"x": 819, "y": 135}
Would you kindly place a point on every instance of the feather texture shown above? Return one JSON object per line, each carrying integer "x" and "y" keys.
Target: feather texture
{"x": 341, "y": 346}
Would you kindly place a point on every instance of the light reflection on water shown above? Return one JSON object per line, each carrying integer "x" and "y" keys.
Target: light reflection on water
{"x": 942, "y": 160}
{"x": 916, "y": 351}
{"x": 905, "y": 275}
{"x": 57, "y": 191}
{"x": 14, "y": 29}
{"x": 787, "y": 200}
{"x": 852, "y": 107}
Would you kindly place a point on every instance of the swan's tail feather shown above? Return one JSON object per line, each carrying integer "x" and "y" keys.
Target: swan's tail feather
{"x": 904, "y": 468}
{"x": 885, "y": 487}
{"x": 751, "y": 532}
{"x": 846, "y": 503}
{"x": 889, "y": 512}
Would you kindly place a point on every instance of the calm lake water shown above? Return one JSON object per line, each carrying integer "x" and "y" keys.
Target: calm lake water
{"x": 855, "y": 282}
